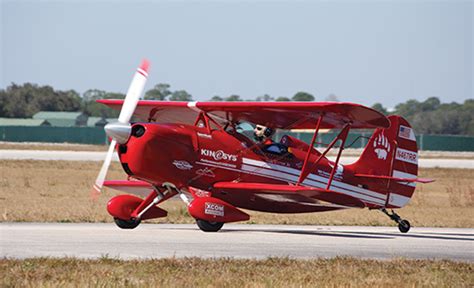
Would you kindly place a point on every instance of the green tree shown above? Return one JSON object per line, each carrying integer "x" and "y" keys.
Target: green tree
{"x": 92, "y": 108}
{"x": 407, "y": 109}
{"x": 23, "y": 101}
{"x": 433, "y": 117}
{"x": 264, "y": 98}
{"x": 282, "y": 99}
{"x": 216, "y": 98}
{"x": 181, "y": 95}
{"x": 93, "y": 94}
{"x": 380, "y": 108}
{"x": 3, "y": 102}
{"x": 430, "y": 104}
{"x": 233, "y": 98}
{"x": 159, "y": 92}
{"x": 303, "y": 96}
{"x": 467, "y": 116}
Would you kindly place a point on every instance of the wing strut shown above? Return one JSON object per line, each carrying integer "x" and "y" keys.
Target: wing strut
{"x": 204, "y": 118}
{"x": 303, "y": 174}
{"x": 341, "y": 136}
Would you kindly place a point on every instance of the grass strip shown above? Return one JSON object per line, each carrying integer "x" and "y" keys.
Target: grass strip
{"x": 226, "y": 272}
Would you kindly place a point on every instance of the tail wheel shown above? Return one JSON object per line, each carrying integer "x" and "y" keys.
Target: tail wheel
{"x": 127, "y": 224}
{"x": 207, "y": 226}
{"x": 404, "y": 226}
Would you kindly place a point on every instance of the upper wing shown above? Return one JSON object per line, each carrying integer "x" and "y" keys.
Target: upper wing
{"x": 312, "y": 192}
{"x": 284, "y": 115}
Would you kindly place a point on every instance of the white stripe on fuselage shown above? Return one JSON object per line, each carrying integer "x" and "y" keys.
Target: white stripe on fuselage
{"x": 274, "y": 171}
{"x": 287, "y": 174}
{"x": 292, "y": 175}
{"x": 293, "y": 179}
{"x": 282, "y": 198}
{"x": 398, "y": 200}
{"x": 314, "y": 177}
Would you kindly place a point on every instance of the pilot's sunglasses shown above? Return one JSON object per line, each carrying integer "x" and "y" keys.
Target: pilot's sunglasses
{"x": 259, "y": 128}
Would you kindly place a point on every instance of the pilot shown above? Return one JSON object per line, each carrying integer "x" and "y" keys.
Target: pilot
{"x": 263, "y": 135}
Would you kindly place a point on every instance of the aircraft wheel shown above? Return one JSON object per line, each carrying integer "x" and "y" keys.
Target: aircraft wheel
{"x": 127, "y": 224}
{"x": 207, "y": 226}
{"x": 404, "y": 226}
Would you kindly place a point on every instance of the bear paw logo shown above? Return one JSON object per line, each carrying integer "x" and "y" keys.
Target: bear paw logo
{"x": 381, "y": 147}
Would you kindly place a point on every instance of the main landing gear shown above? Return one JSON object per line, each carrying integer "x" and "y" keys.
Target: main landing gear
{"x": 207, "y": 226}
{"x": 129, "y": 210}
{"x": 127, "y": 224}
{"x": 204, "y": 225}
{"x": 403, "y": 225}
{"x": 210, "y": 213}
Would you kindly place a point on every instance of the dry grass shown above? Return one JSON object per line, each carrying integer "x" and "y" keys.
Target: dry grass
{"x": 51, "y": 146}
{"x": 58, "y": 191}
{"x": 272, "y": 272}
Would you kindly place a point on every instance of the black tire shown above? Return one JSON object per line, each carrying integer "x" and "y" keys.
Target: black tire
{"x": 404, "y": 226}
{"x": 207, "y": 226}
{"x": 127, "y": 224}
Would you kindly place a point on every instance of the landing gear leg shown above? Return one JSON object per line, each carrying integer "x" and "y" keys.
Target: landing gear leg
{"x": 403, "y": 225}
{"x": 140, "y": 207}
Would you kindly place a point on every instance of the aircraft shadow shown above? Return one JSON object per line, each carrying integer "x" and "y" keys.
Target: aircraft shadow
{"x": 423, "y": 236}
{"x": 300, "y": 232}
{"x": 321, "y": 233}
{"x": 376, "y": 235}
{"x": 356, "y": 234}
{"x": 452, "y": 234}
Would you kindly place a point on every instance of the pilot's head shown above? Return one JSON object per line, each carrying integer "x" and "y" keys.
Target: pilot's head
{"x": 261, "y": 132}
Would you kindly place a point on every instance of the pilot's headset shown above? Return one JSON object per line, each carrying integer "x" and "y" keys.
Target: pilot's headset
{"x": 268, "y": 132}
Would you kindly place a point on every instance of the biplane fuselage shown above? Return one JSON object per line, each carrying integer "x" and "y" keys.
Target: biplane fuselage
{"x": 192, "y": 156}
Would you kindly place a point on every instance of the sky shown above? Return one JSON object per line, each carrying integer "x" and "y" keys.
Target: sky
{"x": 361, "y": 51}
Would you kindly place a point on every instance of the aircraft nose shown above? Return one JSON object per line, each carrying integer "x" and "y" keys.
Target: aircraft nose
{"x": 120, "y": 132}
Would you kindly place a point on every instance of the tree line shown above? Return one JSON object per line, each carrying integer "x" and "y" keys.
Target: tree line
{"x": 427, "y": 117}
{"x": 433, "y": 117}
{"x": 23, "y": 101}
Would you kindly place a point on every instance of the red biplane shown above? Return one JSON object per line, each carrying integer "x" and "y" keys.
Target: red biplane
{"x": 201, "y": 152}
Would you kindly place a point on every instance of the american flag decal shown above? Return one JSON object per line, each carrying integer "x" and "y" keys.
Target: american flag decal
{"x": 406, "y": 132}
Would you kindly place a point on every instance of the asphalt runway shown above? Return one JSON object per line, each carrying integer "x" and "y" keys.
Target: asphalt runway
{"x": 100, "y": 156}
{"x": 88, "y": 240}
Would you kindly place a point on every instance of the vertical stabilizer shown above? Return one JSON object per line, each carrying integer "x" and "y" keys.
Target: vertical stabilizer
{"x": 392, "y": 152}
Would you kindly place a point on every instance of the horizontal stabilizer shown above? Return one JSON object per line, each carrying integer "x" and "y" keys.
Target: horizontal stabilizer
{"x": 312, "y": 192}
{"x": 135, "y": 187}
{"x": 419, "y": 180}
